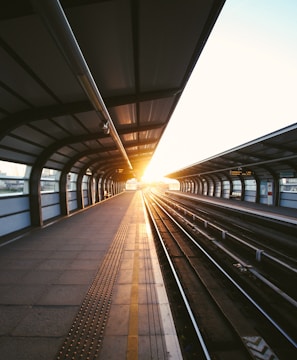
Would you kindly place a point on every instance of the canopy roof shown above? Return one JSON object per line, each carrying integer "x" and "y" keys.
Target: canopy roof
{"x": 91, "y": 85}
{"x": 273, "y": 155}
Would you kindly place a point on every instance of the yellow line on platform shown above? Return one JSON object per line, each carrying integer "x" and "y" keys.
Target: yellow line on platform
{"x": 132, "y": 347}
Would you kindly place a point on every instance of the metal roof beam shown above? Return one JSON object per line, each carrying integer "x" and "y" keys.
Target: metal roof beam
{"x": 27, "y": 116}
{"x": 114, "y": 101}
{"x": 56, "y": 22}
{"x": 48, "y": 112}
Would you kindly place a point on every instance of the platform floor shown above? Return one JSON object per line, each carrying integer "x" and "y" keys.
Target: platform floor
{"x": 86, "y": 287}
{"x": 273, "y": 212}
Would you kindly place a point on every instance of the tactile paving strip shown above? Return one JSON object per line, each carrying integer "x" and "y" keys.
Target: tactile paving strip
{"x": 84, "y": 339}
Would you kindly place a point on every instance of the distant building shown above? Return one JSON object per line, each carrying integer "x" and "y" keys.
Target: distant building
{"x": 132, "y": 184}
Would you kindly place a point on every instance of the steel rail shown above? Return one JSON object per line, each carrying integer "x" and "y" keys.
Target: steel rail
{"x": 241, "y": 290}
{"x": 248, "y": 267}
{"x": 225, "y": 233}
{"x": 180, "y": 287}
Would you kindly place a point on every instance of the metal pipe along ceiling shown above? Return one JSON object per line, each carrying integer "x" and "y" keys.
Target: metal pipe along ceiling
{"x": 52, "y": 14}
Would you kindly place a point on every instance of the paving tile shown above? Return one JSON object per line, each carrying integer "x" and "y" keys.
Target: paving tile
{"x": 63, "y": 295}
{"x": 55, "y": 264}
{"x": 10, "y": 316}
{"x": 126, "y": 264}
{"x": 86, "y": 264}
{"x": 144, "y": 263}
{"x": 21, "y": 294}
{"x": 147, "y": 294}
{"x": 128, "y": 255}
{"x": 25, "y": 348}
{"x": 149, "y": 322}
{"x": 11, "y": 276}
{"x": 146, "y": 276}
{"x": 118, "y": 320}
{"x": 63, "y": 254}
{"x": 114, "y": 347}
{"x": 70, "y": 247}
{"x": 91, "y": 255}
{"x": 76, "y": 277}
{"x": 122, "y": 294}
{"x": 28, "y": 254}
{"x": 125, "y": 277}
{"x": 152, "y": 348}
{"x": 41, "y": 277}
{"x": 45, "y": 321}
{"x": 19, "y": 264}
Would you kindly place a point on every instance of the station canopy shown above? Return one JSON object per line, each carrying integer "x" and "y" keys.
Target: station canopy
{"x": 271, "y": 156}
{"x": 91, "y": 85}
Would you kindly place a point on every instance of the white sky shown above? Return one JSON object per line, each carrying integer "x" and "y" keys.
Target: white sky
{"x": 243, "y": 86}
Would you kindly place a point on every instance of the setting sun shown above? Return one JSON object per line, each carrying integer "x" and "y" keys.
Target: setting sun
{"x": 153, "y": 174}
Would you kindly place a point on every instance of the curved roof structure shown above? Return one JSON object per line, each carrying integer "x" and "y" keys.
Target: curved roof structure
{"x": 92, "y": 84}
{"x": 270, "y": 156}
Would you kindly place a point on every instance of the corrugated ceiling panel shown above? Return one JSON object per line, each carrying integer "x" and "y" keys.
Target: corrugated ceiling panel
{"x": 124, "y": 115}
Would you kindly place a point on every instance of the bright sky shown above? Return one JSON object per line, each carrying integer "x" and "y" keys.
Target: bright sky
{"x": 243, "y": 86}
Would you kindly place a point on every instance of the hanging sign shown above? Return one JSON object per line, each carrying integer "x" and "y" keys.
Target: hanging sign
{"x": 241, "y": 172}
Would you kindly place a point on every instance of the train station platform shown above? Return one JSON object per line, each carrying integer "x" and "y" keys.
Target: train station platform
{"x": 86, "y": 287}
{"x": 279, "y": 213}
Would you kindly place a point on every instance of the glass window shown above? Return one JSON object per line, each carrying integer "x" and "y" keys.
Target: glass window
{"x": 85, "y": 182}
{"x": 236, "y": 194}
{"x": 71, "y": 181}
{"x": 250, "y": 185}
{"x": 226, "y": 189}
{"x": 49, "y": 181}
{"x": 14, "y": 178}
{"x": 288, "y": 185}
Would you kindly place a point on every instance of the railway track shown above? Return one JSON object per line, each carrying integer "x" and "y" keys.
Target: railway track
{"x": 240, "y": 241}
{"x": 261, "y": 231}
{"x": 226, "y": 323}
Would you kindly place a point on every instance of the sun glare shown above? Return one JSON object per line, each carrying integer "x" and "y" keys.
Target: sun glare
{"x": 152, "y": 174}
{"x": 151, "y": 177}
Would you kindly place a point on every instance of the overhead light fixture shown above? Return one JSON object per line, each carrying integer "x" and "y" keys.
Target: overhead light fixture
{"x": 105, "y": 128}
